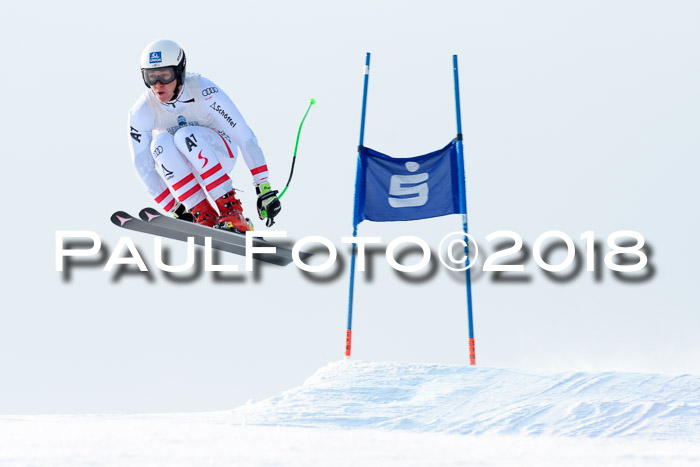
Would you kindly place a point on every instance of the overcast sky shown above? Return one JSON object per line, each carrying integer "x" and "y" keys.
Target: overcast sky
{"x": 576, "y": 117}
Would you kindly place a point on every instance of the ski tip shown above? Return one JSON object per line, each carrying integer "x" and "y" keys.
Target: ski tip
{"x": 120, "y": 218}
{"x": 148, "y": 214}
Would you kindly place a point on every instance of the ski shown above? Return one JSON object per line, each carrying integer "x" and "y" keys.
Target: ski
{"x": 152, "y": 222}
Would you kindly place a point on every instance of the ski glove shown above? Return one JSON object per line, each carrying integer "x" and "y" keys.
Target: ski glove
{"x": 181, "y": 212}
{"x": 268, "y": 204}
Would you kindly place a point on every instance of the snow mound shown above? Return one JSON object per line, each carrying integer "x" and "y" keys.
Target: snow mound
{"x": 468, "y": 400}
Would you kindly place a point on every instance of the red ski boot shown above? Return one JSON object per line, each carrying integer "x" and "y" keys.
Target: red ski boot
{"x": 204, "y": 213}
{"x": 231, "y": 217}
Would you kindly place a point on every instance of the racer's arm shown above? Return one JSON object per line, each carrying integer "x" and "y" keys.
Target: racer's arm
{"x": 141, "y": 123}
{"x": 230, "y": 121}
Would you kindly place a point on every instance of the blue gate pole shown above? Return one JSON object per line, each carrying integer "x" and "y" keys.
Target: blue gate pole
{"x": 463, "y": 210}
{"x": 348, "y": 332}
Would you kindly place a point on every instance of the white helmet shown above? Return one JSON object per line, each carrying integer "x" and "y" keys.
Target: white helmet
{"x": 166, "y": 55}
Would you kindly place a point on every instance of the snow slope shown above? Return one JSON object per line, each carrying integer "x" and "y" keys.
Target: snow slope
{"x": 473, "y": 400}
{"x": 395, "y": 414}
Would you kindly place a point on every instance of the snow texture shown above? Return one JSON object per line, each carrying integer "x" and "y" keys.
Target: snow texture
{"x": 403, "y": 414}
{"x": 473, "y": 400}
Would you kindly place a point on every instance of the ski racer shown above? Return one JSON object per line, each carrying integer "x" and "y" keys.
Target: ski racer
{"x": 183, "y": 134}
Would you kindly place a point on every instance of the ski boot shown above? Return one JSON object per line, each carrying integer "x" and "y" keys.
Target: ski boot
{"x": 204, "y": 213}
{"x": 231, "y": 217}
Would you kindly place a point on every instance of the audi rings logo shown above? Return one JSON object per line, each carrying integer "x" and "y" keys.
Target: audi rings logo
{"x": 209, "y": 91}
{"x": 158, "y": 151}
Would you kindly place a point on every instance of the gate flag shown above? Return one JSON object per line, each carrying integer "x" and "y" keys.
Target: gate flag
{"x": 393, "y": 189}
{"x": 403, "y": 189}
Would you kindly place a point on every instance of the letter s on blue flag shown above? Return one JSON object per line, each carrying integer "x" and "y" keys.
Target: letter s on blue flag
{"x": 391, "y": 189}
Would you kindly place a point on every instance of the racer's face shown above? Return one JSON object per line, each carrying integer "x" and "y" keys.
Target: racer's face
{"x": 164, "y": 92}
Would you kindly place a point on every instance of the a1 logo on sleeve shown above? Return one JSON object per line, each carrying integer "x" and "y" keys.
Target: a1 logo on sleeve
{"x": 135, "y": 134}
{"x": 155, "y": 58}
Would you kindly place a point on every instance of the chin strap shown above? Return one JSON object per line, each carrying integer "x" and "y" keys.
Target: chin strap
{"x": 178, "y": 91}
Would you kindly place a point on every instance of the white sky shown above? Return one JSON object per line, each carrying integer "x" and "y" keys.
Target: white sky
{"x": 577, "y": 116}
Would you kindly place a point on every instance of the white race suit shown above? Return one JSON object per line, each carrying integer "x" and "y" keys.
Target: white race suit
{"x": 186, "y": 147}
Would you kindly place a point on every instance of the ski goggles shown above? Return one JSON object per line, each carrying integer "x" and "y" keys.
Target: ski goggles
{"x": 165, "y": 75}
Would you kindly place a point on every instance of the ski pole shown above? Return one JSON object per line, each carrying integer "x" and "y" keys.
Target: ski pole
{"x": 296, "y": 145}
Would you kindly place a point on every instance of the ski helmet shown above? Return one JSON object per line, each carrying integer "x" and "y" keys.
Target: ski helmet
{"x": 163, "y": 54}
